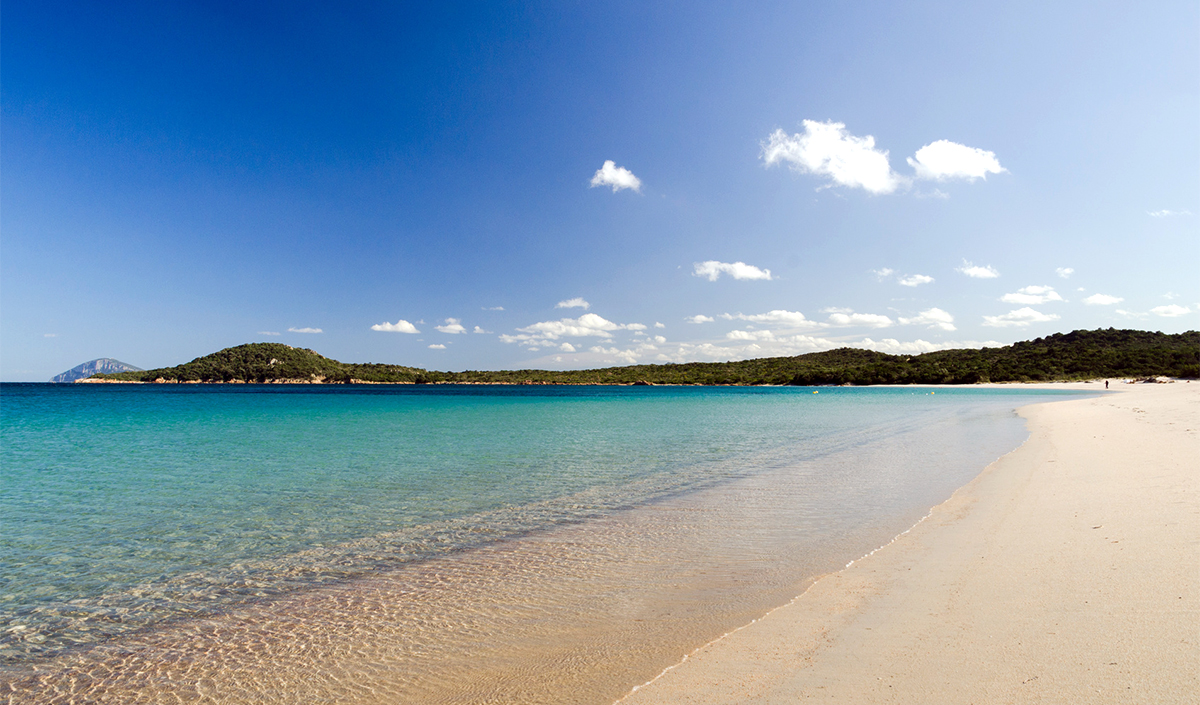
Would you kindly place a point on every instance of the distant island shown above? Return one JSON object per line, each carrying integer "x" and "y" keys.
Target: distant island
{"x": 1077, "y": 355}
{"x": 104, "y": 365}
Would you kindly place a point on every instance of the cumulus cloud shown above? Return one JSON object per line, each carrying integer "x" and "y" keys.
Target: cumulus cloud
{"x": 1032, "y": 295}
{"x": 616, "y": 176}
{"x": 915, "y": 280}
{"x": 976, "y": 272}
{"x": 576, "y": 302}
{"x": 437, "y": 346}
{"x": 870, "y": 320}
{"x": 944, "y": 159}
{"x": 918, "y": 346}
{"x": 1170, "y": 310}
{"x": 453, "y": 326}
{"x": 1102, "y": 300}
{"x": 1167, "y": 214}
{"x": 589, "y": 324}
{"x": 305, "y": 330}
{"x": 1064, "y": 272}
{"x": 933, "y": 318}
{"x": 659, "y": 325}
{"x": 750, "y": 335}
{"x": 827, "y": 149}
{"x": 1019, "y": 317}
{"x": 738, "y": 270}
{"x": 567, "y": 347}
{"x": 789, "y": 319}
{"x": 400, "y": 326}
{"x": 698, "y": 318}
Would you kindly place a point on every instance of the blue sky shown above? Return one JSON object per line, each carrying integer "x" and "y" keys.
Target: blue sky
{"x": 566, "y": 185}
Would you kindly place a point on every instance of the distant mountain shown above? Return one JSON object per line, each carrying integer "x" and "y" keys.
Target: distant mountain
{"x": 107, "y": 365}
{"x": 1081, "y": 354}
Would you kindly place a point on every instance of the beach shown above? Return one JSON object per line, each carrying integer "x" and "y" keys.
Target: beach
{"x": 1068, "y": 571}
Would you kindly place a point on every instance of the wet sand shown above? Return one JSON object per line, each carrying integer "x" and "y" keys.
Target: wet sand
{"x": 1068, "y": 571}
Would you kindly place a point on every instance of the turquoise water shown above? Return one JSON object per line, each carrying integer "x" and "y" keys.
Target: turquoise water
{"x": 125, "y": 507}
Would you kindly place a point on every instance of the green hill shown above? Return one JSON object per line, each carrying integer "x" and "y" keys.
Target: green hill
{"x": 1063, "y": 356}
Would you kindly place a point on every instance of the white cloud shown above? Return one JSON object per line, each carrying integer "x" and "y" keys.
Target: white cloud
{"x": 616, "y": 176}
{"x": 1032, "y": 295}
{"x": 55, "y": 335}
{"x": 305, "y": 330}
{"x": 268, "y": 332}
{"x": 1019, "y": 317}
{"x": 699, "y": 318}
{"x": 915, "y": 280}
{"x": 1102, "y": 300}
{"x": 492, "y": 308}
{"x": 975, "y": 272}
{"x": 567, "y": 347}
{"x": 750, "y": 335}
{"x": 453, "y": 326}
{"x": 437, "y": 346}
{"x": 738, "y": 270}
{"x": 934, "y": 318}
{"x": 790, "y": 319}
{"x": 589, "y": 324}
{"x": 576, "y": 302}
{"x": 827, "y": 149}
{"x": 1170, "y": 310}
{"x": 870, "y": 320}
{"x": 944, "y": 159}
{"x": 659, "y": 325}
{"x": 1064, "y": 272}
{"x": 1167, "y": 214}
{"x": 884, "y": 273}
{"x": 892, "y": 346}
{"x": 400, "y": 326}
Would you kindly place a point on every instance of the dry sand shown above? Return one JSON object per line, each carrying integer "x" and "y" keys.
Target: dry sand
{"x": 1067, "y": 572}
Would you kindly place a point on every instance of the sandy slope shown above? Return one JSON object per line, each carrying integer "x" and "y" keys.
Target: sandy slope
{"x": 1068, "y": 572}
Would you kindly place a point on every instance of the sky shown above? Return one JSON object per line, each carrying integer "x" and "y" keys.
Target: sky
{"x": 568, "y": 185}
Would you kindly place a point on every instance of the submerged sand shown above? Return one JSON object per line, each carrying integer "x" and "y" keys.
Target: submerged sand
{"x": 1068, "y": 571}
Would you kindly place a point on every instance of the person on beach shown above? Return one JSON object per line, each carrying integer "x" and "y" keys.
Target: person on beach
{"x": 1106, "y": 384}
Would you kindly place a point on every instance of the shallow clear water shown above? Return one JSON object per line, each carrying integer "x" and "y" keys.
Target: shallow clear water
{"x": 452, "y": 529}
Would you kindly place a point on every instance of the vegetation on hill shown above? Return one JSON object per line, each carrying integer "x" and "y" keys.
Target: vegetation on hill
{"x": 1063, "y": 356}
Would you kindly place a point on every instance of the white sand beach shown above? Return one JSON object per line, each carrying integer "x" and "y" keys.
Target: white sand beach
{"x": 1067, "y": 572}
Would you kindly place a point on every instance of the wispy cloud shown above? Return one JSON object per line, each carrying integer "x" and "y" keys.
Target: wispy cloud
{"x": 1102, "y": 300}
{"x": 738, "y": 270}
{"x": 789, "y": 319}
{"x": 55, "y": 335}
{"x": 437, "y": 346}
{"x": 1166, "y": 213}
{"x": 1018, "y": 318}
{"x": 268, "y": 332}
{"x": 616, "y": 176}
{"x": 1064, "y": 272}
{"x": 884, "y": 273}
{"x": 827, "y": 149}
{"x": 481, "y": 331}
{"x": 943, "y": 159}
{"x": 915, "y": 280}
{"x": 699, "y": 318}
{"x": 1170, "y": 310}
{"x": 576, "y": 302}
{"x": 453, "y": 326}
{"x": 1032, "y": 295}
{"x": 305, "y": 330}
{"x": 977, "y": 272}
{"x": 933, "y": 318}
{"x": 400, "y": 326}
{"x": 492, "y": 308}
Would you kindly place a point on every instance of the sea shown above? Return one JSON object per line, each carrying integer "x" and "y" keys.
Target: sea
{"x": 441, "y": 543}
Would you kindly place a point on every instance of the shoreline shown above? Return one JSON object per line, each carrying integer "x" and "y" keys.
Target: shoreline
{"x": 922, "y": 619}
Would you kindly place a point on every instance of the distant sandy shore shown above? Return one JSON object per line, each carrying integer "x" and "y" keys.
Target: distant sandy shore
{"x": 1067, "y": 572}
